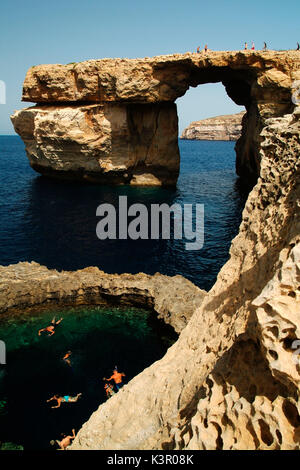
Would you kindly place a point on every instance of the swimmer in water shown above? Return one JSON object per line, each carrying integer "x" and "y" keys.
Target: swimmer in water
{"x": 64, "y": 399}
{"x": 66, "y": 441}
{"x": 51, "y": 328}
{"x": 66, "y": 358}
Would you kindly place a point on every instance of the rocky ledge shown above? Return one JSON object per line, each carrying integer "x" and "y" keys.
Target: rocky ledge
{"x": 227, "y": 127}
{"x": 28, "y": 285}
{"x": 115, "y": 120}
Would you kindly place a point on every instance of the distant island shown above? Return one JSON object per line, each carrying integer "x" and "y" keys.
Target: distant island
{"x": 227, "y": 127}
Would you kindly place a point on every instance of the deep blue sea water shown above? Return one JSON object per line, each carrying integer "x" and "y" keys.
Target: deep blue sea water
{"x": 54, "y": 222}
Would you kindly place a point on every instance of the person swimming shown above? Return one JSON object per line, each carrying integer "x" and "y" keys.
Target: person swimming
{"x": 65, "y": 442}
{"x": 117, "y": 377}
{"x": 51, "y": 328}
{"x": 64, "y": 399}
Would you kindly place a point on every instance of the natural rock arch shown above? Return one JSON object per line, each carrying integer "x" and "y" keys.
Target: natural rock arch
{"x": 230, "y": 380}
{"x": 115, "y": 121}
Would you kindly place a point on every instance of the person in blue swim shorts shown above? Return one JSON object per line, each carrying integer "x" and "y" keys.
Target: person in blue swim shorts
{"x": 64, "y": 399}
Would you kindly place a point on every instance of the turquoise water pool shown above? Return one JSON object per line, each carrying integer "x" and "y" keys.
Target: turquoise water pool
{"x": 99, "y": 338}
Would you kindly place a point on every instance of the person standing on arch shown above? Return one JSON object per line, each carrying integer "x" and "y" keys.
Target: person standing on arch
{"x": 65, "y": 441}
{"x": 246, "y": 46}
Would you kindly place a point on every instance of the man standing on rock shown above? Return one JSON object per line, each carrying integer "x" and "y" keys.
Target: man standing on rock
{"x": 117, "y": 377}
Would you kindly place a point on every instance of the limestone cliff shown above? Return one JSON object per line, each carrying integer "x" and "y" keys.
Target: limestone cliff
{"x": 115, "y": 121}
{"x": 227, "y": 127}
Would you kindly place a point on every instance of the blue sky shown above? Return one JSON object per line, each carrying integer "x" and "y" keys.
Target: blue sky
{"x": 38, "y": 32}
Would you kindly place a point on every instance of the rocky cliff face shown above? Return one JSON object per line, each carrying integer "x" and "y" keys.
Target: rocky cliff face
{"x": 227, "y": 127}
{"x": 104, "y": 143}
{"x": 114, "y": 120}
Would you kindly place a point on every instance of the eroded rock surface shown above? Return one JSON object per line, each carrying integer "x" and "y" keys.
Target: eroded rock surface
{"x": 251, "y": 398}
{"x": 114, "y": 120}
{"x": 26, "y": 285}
{"x": 227, "y": 127}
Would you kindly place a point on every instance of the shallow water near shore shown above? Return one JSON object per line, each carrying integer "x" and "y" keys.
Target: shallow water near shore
{"x": 99, "y": 338}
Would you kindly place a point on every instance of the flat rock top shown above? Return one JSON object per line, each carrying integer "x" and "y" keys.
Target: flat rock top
{"x": 154, "y": 79}
{"x": 223, "y": 119}
{"x": 203, "y": 58}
